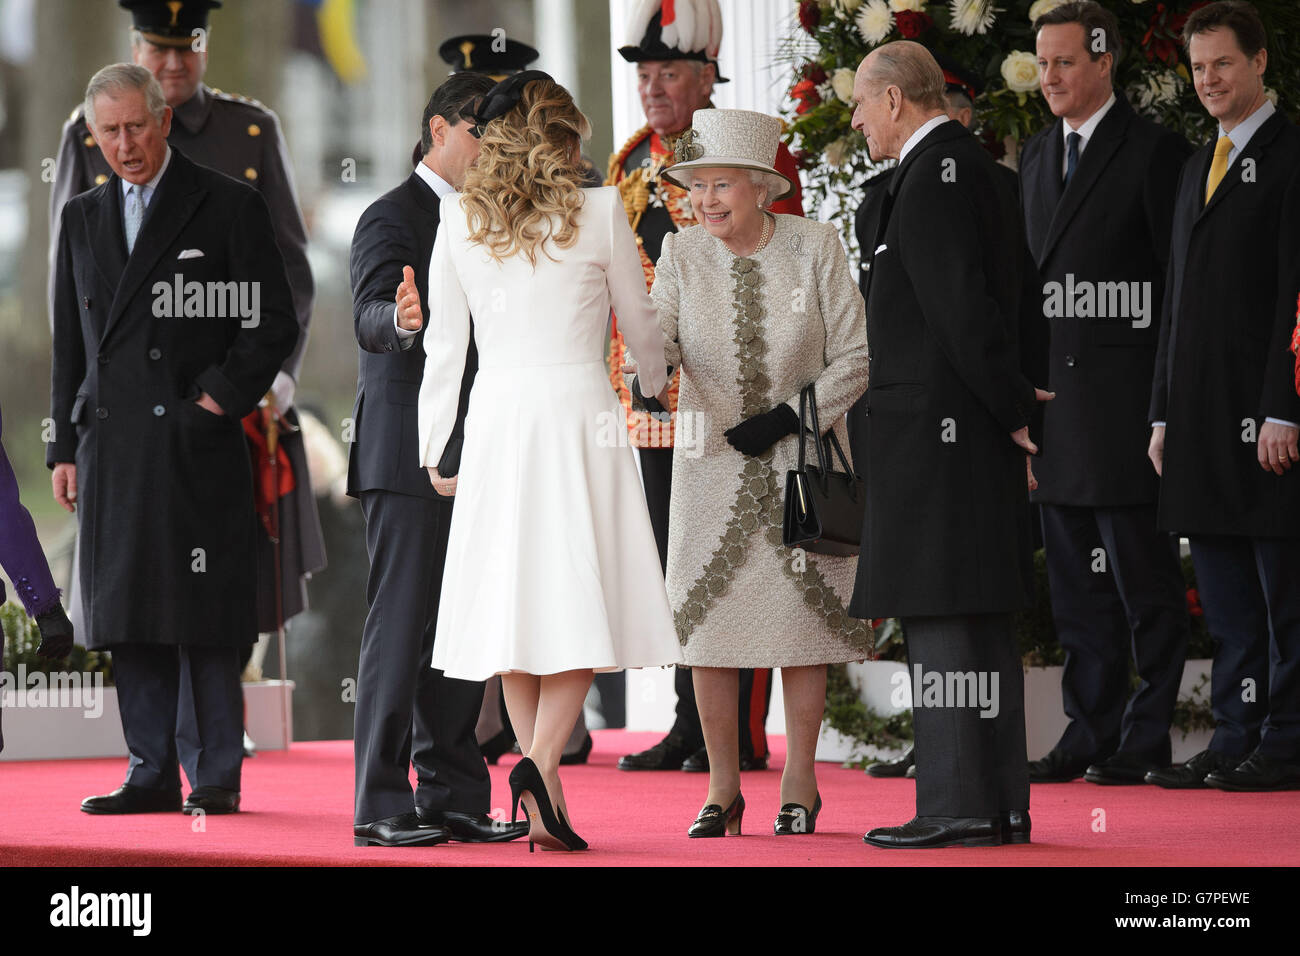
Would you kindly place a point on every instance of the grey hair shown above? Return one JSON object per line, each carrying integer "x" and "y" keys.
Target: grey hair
{"x": 913, "y": 69}
{"x": 120, "y": 78}
{"x": 772, "y": 185}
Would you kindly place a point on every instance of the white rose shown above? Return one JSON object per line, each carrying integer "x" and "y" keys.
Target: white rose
{"x": 842, "y": 84}
{"x": 845, "y": 8}
{"x": 836, "y": 152}
{"x": 1020, "y": 70}
{"x": 1271, "y": 95}
{"x": 898, "y": 6}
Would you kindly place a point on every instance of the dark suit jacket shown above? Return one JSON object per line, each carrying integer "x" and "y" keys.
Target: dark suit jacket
{"x": 165, "y": 494}
{"x": 946, "y": 529}
{"x": 1224, "y": 356}
{"x": 1110, "y": 225}
{"x": 397, "y": 230}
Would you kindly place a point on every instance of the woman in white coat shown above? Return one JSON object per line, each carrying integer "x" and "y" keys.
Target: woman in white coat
{"x": 550, "y": 545}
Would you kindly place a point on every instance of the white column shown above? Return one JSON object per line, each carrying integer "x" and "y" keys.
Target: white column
{"x": 751, "y": 30}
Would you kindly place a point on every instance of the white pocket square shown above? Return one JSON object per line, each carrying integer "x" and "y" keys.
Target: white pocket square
{"x": 191, "y": 254}
{"x": 879, "y": 249}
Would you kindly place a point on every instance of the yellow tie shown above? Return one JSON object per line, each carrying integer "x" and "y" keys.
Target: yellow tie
{"x": 1218, "y": 168}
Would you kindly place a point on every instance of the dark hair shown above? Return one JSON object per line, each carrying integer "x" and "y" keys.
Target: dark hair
{"x": 1092, "y": 16}
{"x": 454, "y": 101}
{"x": 1237, "y": 15}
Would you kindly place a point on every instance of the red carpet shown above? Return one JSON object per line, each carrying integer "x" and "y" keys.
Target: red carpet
{"x": 298, "y": 811}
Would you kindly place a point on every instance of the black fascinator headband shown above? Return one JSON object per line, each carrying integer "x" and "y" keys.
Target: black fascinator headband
{"x": 502, "y": 98}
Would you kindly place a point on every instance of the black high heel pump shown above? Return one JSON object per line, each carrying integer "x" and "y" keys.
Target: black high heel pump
{"x": 526, "y": 778}
{"x": 714, "y": 821}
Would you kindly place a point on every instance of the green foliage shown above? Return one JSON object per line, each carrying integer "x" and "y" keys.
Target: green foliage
{"x": 22, "y": 637}
{"x": 846, "y": 712}
{"x": 1152, "y": 69}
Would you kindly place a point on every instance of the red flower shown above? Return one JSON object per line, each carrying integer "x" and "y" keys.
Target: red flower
{"x": 1194, "y": 603}
{"x": 802, "y": 158}
{"x": 813, "y": 71}
{"x": 810, "y": 15}
{"x": 912, "y": 23}
{"x": 805, "y": 92}
{"x": 1164, "y": 33}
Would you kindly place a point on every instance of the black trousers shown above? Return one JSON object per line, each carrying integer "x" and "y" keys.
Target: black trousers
{"x": 755, "y": 685}
{"x": 970, "y": 748}
{"x": 1118, "y": 595}
{"x": 407, "y": 712}
{"x": 1250, "y": 592}
{"x": 149, "y": 680}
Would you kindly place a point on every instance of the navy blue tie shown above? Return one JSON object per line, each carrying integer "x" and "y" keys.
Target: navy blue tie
{"x": 1071, "y": 156}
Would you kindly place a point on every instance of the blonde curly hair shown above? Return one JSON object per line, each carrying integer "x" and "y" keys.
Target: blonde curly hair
{"x": 526, "y": 185}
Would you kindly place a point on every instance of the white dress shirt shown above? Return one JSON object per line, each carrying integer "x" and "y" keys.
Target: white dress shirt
{"x": 921, "y": 133}
{"x": 1085, "y": 131}
{"x": 441, "y": 188}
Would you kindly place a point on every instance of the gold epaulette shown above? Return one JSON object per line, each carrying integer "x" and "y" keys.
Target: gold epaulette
{"x": 239, "y": 98}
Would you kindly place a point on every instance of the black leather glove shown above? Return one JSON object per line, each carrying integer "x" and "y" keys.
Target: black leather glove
{"x": 56, "y": 633}
{"x": 757, "y": 434}
{"x": 651, "y": 403}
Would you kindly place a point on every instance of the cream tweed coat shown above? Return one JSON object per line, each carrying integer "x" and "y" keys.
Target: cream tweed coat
{"x": 748, "y": 334}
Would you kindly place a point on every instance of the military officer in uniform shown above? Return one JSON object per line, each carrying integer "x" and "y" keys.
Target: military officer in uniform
{"x": 677, "y": 65}
{"x": 240, "y": 137}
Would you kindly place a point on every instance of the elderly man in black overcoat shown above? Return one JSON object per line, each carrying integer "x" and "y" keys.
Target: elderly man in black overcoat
{"x": 172, "y": 314}
{"x": 946, "y": 537}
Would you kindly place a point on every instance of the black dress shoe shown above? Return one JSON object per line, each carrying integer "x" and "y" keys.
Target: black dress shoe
{"x": 495, "y": 746}
{"x": 1057, "y": 767}
{"x": 211, "y": 800}
{"x": 1015, "y": 826}
{"x": 928, "y": 832}
{"x": 698, "y": 762}
{"x": 129, "y": 799}
{"x": 668, "y": 754}
{"x": 1257, "y": 773}
{"x": 401, "y": 830}
{"x": 1121, "y": 768}
{"x": 1191, "y": 775}
{"x": 472, "y": 827}
{"x": 578, "y": 756}
{"x": 894, "y": 768}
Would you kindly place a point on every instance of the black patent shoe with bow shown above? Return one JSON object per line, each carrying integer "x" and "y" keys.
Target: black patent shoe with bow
{"x": 714, "y": 821}
{"x": 795, "y": 818}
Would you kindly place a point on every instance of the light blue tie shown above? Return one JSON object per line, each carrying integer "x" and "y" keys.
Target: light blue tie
{"x": 134, "y": 215}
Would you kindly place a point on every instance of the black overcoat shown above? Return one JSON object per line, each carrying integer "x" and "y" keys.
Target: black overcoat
{"x": 1224, "y": 362}
{"x": 165, "y": 487}
{"x": 1110, "y": 225}
{"x": 946, "y": 529}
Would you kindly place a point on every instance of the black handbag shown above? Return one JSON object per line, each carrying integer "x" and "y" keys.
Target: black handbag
{"x": 823, "y": 507}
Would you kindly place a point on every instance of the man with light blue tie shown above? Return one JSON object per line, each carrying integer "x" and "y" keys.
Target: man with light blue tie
{"x": 1224, "y": 408}
{"x": 172, "y": 314}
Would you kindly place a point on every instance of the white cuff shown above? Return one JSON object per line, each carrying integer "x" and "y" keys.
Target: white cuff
{"x": 1282, "y": 421}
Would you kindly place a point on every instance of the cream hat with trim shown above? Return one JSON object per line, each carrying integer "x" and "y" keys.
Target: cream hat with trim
{"x": 738, "y": 139}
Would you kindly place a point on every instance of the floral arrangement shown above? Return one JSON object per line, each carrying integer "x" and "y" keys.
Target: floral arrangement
{"x": 994, "y": 40}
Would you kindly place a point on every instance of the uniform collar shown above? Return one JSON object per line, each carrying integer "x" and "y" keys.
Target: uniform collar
{"x": 193, "y": 113}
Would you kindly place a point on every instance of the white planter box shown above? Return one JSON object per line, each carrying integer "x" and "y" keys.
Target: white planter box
{"x": 86, "y": 722}
{"x": 1045, "y": 718}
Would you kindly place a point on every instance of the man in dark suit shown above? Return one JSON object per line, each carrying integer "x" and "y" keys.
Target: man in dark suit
{"x": 406, "y": 712}
{"x": 945, "y": 541}
{"x": 1097, "y": 187}
{"x": 1224, "y": 410}
{"x": 172, "y": 314}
